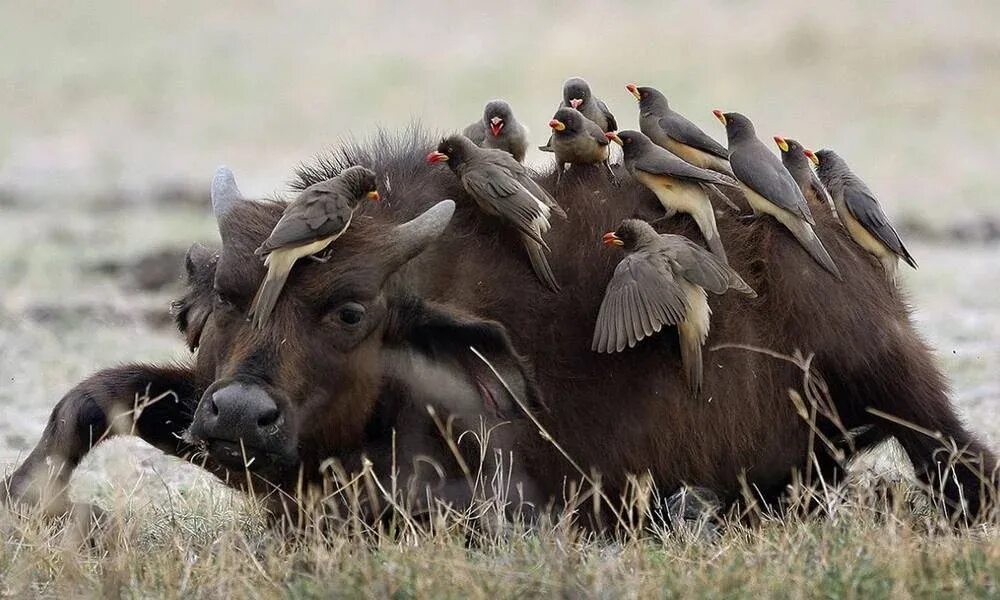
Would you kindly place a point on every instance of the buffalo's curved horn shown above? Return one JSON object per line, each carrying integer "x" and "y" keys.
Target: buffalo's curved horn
{"x": 224, "y": 191}
{"x": 410, "y": 238}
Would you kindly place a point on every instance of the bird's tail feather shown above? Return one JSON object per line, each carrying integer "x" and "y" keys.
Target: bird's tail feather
{"x": 279, "y": 265}
{"x": 539, "y": 263}
{"x": 715, "y": 191}
{"x": 690, "y": 339}
{"x": 806, "y": 236}
{"x": 705, "y": 218}
{"x": 891, "y": 265}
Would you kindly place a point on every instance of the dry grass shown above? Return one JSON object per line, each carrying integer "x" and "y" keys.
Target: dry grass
{"x": 862, "y": 543}
{"x": 874, "y": 536}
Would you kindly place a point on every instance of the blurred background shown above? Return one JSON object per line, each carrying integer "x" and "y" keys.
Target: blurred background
{"x": 114, "y": 114}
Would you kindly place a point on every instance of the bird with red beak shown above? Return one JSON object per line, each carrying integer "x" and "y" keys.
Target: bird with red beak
{"x": 673, "y": 131}
{"x": 577, "y": 94}
{"x": 499, "y": 129}
{"x": 662, "y": 280}
{"x": 503, "y": 188}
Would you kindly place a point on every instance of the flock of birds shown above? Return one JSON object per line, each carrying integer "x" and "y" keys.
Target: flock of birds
{"x": 663, "y": 278}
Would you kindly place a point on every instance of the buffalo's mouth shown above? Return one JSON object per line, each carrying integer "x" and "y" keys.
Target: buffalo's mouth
{"x": 237, "y": 456}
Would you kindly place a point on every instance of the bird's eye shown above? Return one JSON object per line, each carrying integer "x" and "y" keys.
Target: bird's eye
{"x": 351, "y": 313}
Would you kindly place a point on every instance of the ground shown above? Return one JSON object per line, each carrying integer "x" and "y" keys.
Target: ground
{"x": 116, "y": 113}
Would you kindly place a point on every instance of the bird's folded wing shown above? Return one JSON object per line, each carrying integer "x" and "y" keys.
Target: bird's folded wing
{"x": 661, "y": 162}
{"x": 612, "y": 123}
{"x": 866, "y": 209}
{"x": 507, "y": 197}
{"x": 307, "y": 222}
{"x": 763, "y": 173}
{"x": 595, "y": 131}
{"x": 640, "y": 299}
{"x": 678, "y": 128}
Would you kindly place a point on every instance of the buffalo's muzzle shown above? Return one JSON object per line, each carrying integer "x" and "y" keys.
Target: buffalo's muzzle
{"x": 241, "y": 425}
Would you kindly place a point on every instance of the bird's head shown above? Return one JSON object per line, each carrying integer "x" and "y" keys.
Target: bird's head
{"x": 631, "y": 234}
{"x": 576, "y": 92}
{"x": 497, "y": 114}
{"x": 454, "y": 150}
{"x": 738, "y": 127}
{"x": 567, "y": 121}
{"x": 650, "y": 99}
{"x": 361, "y": 181}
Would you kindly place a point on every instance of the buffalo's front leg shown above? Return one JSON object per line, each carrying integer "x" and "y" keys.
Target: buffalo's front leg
{"x": 154, "y": 403}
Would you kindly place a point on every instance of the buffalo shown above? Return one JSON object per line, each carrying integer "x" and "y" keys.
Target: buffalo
{"x": 368, "y": 354}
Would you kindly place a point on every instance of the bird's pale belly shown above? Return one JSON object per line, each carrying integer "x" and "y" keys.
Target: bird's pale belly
{"x": 861, "y": 235}
{"x": 672, "y": 194}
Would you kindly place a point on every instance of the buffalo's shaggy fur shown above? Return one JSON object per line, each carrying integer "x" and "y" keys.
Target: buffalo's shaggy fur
{"x": 628, "y": 413}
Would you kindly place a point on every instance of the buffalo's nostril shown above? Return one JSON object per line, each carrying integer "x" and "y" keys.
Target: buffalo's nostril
{"x": 268, "y": 417}
{"x": 213, "y": 407}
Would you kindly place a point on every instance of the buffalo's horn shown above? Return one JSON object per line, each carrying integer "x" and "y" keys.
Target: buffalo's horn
{"x": 224, "y": 191}
{"x": 412, "y": 237}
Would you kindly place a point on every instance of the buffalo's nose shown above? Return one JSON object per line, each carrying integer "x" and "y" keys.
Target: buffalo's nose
{"x": 241, "y": 411}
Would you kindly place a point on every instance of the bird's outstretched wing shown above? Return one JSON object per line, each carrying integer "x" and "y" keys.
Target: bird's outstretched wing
{"x": 640, "y": 299}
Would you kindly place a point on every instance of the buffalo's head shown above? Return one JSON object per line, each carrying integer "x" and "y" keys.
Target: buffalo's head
{"x": 348, "y": 338}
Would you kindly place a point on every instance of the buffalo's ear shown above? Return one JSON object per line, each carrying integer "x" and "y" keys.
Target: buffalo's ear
{"x": 436, "y": 342}
{"x": 191, "y": 311}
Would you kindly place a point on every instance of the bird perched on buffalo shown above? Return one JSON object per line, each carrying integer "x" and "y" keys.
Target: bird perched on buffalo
{"x": 502, "y": 187}
{"x": 679, "y": 186}
{"x": 662, "y": 280}
{"x": 577, "y": 94}
{"x": 860, "y": 212}
{"x": 318, "y": 216}
{"x": 793, "y": 156}
{"x": 577, "y": 140}
{"x": 673, "y": 131}
{"x": 769, "y": 188}
{"x": 499, "y": 129}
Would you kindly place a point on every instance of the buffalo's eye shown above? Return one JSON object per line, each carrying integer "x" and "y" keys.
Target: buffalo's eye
{"x": 350, "y": 313}
{"x": 222, "y": 300}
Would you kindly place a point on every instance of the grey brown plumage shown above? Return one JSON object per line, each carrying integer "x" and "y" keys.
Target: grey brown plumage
{"x": 861, "y": 213}
{"x": 770, "y": 189}
{"x": 798, "y": 165}
{"x": 317, "y": 217}
{"x": 577, "y": 140}
{"x": 662, "y": 280}
{"x": 499, "y": 129}
{"x": 503, "y": 188}
{"x": 673, "y": 131}
{"x": 679, "y": 185}
{"x": 577, "y": 94}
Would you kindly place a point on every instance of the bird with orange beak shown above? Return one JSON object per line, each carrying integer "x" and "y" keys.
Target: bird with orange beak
{"x": 577, "y": 94}
{"x": 671, "y": 130}
{"x": 793, "y": 156}
{"x": 662, "y": 280}
{"x": 309, "y": 224}
{"x": 769, "y": 187}
{"x": 860, "y": 212}
{"x": 499, "y": 129}
{"x": 503, "y": 188}
{"x": 577, "y": 140}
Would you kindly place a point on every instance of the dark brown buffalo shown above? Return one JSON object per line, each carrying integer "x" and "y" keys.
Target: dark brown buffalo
{"x": 320, "y": 382}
